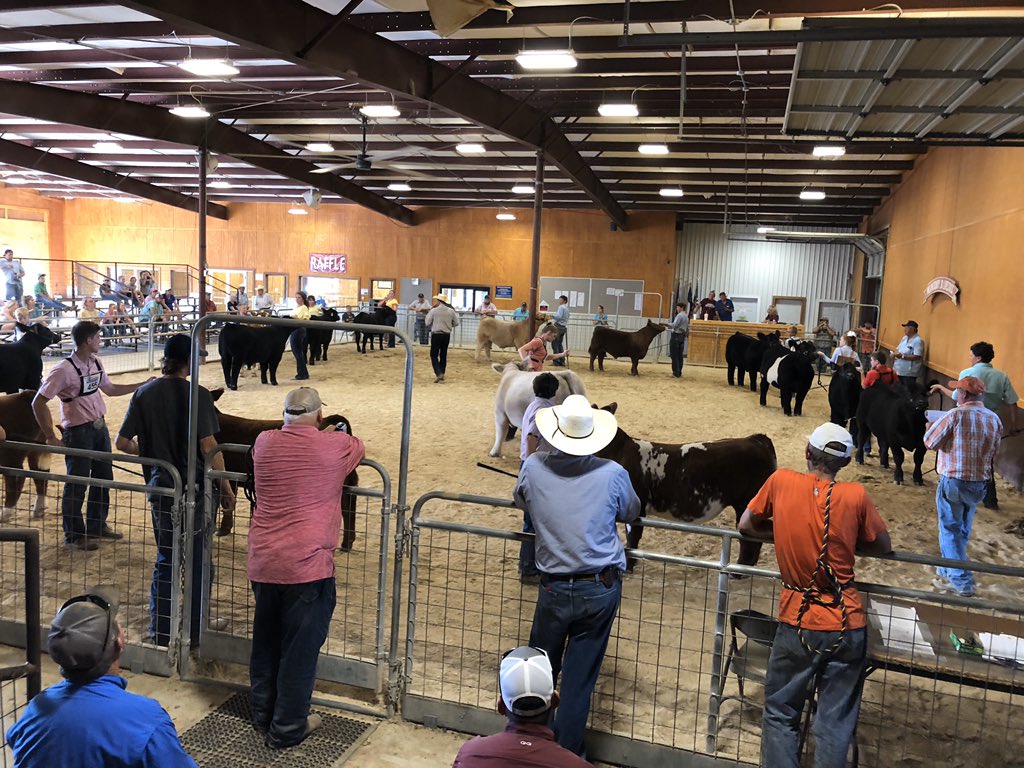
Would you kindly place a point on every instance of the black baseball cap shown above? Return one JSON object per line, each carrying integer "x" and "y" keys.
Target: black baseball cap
{"x": 911, "y": 324}
{"x": 179, "y": 348}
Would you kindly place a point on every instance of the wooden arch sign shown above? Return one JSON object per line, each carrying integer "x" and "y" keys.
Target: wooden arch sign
{"x": 946, "y": 286}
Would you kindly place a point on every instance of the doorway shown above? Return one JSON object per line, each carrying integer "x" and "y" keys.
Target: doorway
{"x": 465, "y": 298}
{"x": 276, "y": 285}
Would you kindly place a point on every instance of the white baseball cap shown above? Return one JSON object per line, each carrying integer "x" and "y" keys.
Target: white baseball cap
{"x": 526, "y": 681}
{"x": 832, "y": 439}
{"x": 302, "y": 400}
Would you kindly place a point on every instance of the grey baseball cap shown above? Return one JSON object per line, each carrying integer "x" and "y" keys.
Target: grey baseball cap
{"x": 83, "y": 633}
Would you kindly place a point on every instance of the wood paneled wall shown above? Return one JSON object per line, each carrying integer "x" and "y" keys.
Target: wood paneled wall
{"x": 449, "y": 245}
{"x": 53, "y": 211}
{"x": 960, "y": 212}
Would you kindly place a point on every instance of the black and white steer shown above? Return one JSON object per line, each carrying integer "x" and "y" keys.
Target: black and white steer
{"x": 791, "y": 372}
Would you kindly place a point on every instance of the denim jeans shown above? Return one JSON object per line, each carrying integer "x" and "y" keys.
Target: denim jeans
{"x": 89, "y": 438}
{"x": 419, "y": 329}
{"x": 298, "y": 345}
{"x": 290, "y": 623}
{"x": 164, "y": 582}
{"x": 15, "y": 291}
{"x": 572, "y": 622}
{"x": 392, "y": 321}
{"x": 439, "y": 352}
{"x": 955, "y": 500}
{"x": 791, "y": 675}
{"x": 557, "y": 344}
{"x": 676, "y": 344}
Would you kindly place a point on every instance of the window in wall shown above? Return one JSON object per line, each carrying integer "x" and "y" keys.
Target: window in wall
{"x": 465, "y": 298}
{"x": 276, "y": 284}
{"x": 339, "y": 292}
{"x": 222, "y": 283}
{"x": 380, "y": 287}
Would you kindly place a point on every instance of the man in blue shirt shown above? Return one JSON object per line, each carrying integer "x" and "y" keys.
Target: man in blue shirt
{"x": 724, "y": 307}
{"x": 574, "y": 501}
{"x": 679, "y": 329}
{"x": 561, "y": 321}
{"x": 545, "y": 387}
{"x": 522, "y": 313}
{"x": 89, "y": 719}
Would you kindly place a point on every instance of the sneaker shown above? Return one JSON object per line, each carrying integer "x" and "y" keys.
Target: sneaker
{"x": 110, "y": 533}
{"x": 943, "y": 584}
{"x": 313, "y": 722}
{"x": 83, "y": 543}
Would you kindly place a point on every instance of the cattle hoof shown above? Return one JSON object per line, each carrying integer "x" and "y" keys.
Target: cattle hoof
{"x": 918, "y": 481}
{"x": 738, "y": 576}
{"x": 223, "y": 532}
{"x": 495, "y": 454}
{"x": 898, "y": 482}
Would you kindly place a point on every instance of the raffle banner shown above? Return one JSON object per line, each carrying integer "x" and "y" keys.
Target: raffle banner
{"x": 328, "y": 263}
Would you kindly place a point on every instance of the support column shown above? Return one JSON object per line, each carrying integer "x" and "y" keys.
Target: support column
{"x": 538, "y": 209}
{"x": 204, "y": 157}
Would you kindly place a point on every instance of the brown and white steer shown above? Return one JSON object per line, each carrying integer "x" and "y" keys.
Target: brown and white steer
{"x": 19, "y": 422}
{"x": 694, "y": 482}
{"x": 515, "y": 392}
{"x": 614, "y": 343}
{"x": 500, "y": 333}
{"x": 236, "y": 429}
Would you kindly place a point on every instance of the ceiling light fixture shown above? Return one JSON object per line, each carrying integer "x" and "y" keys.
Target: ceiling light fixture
{"x": 670, "y": 192}
{"x": 829, "y": 150}
{"x": 107, "y": 146}
{"x": 523, "y": 189}
{"x": 16, "y": 180}
{"x": 191, "y": 111}
{"x": 503, "y": 216}
{"x": 380, "y": 110}
{"x": 220, "y": 184}
{"x": 209, "y": 67}
{"x": 765, "y": 230}
{"x": 618, "y": 109}
{"x": 470, "y": 149}
{"x": 399, "y": 186}
{"x": 563, "y": 58}
{"x": 320, "y": 146}
{"x": 812, "y": 194}
{"x": 298, "y": 211}
{"x": 653, "y": 149}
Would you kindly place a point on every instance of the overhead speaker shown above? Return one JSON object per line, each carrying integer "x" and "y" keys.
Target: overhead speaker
{"x": 311, "y": 197}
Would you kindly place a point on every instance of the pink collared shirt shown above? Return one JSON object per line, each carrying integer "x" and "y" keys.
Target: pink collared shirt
{"x": 296, "y": 523}
{"x": 65, "y": 383}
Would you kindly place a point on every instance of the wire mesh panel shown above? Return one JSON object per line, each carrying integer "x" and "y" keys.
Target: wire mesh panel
{"x": 13, "y": 700}
{"x": 354, "y": 652}
{"x": 67, "y": 570}
{"x": 20, "y": 672}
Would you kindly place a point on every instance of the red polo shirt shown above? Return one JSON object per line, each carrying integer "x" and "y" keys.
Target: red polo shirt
{"x": 520, "y": 745}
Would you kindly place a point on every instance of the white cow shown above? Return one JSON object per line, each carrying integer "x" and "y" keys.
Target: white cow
{"x": 515, "y": 392}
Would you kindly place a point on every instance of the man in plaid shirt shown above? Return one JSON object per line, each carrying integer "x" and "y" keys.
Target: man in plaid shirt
{"x": 966, "y": 439}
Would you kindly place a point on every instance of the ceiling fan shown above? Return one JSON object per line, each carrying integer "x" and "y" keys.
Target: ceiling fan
{"x": 363, "y": 161}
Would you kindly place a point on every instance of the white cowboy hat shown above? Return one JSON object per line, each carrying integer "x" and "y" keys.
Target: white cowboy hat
{"x": 575, "y": 428}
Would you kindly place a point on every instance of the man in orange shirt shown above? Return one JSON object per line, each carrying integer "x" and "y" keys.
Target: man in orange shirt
{"x": 810, "y": 515}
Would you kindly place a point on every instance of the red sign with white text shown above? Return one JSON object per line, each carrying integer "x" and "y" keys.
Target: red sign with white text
{"x": 321, "y": 263}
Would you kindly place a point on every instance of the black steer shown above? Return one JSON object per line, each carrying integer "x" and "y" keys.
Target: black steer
{"x": 791, "y": 372}
{"x": 895, "y": 416}
{"x": 21, "y": 362}
{"x": 844, "y": 397}
{"x": 318, "y": 340}
{"x": 614, "y": 343}
{"x": 376, "y": 316}
{"x": 694, "y": 482}
{"x": 744, "y": 353}
{"x": 251, "y": 345}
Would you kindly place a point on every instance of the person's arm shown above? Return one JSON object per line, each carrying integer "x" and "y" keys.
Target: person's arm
{"x": 532, "y": 444}
{"x": 111, "y": 389}
{"x": 939, "y": 433}
{"x": 939, "y": 388}
{"x": 629, "y": 503}
{"x": 873, "y": 536}
{"x": 227, "y": 493}
{"x": 881, "y": 545}
{"x": 126, "y": 445}
{"x": 756, "y": 526}
{"x": 3, "y": 435}
{"x": 164, "y": 750}
{"x": 44, "y": 419}
{"x": 524, "y": 351}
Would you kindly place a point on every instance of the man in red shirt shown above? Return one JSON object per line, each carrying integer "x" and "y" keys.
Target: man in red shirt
{"x": 528, "y": 697}
{"x": 811, "y": 516}
{"x": 299, "y": 473}
{"x": 879, "y": 371}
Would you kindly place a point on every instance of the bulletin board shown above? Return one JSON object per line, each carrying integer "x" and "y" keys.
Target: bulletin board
{"x": 586, "y": 293}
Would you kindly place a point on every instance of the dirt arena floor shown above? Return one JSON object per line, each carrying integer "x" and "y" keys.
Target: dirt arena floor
{"x": 471, "y": 605}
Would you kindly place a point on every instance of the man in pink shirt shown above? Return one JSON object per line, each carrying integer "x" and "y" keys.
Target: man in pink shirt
{"x": 78, "y": 382}
{"x": 296, "y": 521}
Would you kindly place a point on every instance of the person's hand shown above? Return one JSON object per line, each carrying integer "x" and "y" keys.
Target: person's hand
{"x": 227, "y": 499}
{"x": 934, "y": 388}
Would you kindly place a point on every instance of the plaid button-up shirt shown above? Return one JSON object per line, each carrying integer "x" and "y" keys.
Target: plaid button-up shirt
{"x": 966, "y": 439}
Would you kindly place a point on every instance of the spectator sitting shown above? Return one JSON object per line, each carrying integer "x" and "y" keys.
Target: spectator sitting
{"x": 773, "y": 315}
{"x": 107, "y": 292}
{"x": 528, "y": 697}
{"x": 208, "y": 304}
{"x": 522, "y": 313}
{"x": 154, "y": 308}
{"x": 34, "y": 310}
{"x": 242, "y": 300}
{"x": 171, "y": 309}
{"x": 44, "y": 299}
{"x": 146, "y": 282}
{"x": 90, "y": 719}
{"x": 600, "y": 317}
{"x": 89, "y": 311}
{"x": 7, "y": 315}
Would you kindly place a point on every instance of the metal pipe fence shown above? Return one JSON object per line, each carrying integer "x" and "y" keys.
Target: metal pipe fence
{"x": 127, "y": 563}
{"x": 20, "y": 680}
{"x": 675, "y": 684}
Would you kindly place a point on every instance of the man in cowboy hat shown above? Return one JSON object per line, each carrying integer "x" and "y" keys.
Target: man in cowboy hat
{"x": 441, "y": 320}
{"x": 574, "y": 501}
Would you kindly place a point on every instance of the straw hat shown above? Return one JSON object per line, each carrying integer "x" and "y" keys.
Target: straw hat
{"x": 575, "y": 428}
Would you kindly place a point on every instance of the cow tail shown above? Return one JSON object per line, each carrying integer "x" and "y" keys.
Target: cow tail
{"x": 249, "y": 486}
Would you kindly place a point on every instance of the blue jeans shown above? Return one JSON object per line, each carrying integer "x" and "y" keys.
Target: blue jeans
{"x": 419, "y": 330}
{"x": 676, "y": 345}
{"x": 164, "y": 583}
{"x": 86, "y": 437}
{"x": 298, "y": 345}
{"x": 791, "y": 676}
{"x": 290, "y": 623}
{"x": 15, "y": 291}
{"x": 955, "y": 500}
{"x": 572, "y": 622}
{"x": 557, "y": 344}
{"x": 42, "y": 301}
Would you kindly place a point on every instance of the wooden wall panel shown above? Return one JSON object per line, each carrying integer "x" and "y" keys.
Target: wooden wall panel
{"x": 450, "y": 245}
{"x": 53, "y": 211}
{"x": 960, "y": 212}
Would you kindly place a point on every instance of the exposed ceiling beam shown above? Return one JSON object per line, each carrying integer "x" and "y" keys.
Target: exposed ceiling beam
{"x": 33, "y": 159}
{"x": 122, "y": 116}
{"x": 282, "y": 27}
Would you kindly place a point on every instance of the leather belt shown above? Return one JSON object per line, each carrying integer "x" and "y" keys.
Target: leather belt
{"x": 608, "y": 576}
{"x": 100, "y": 423}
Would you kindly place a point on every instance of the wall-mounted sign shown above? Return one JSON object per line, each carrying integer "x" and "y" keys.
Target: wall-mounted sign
{"x": 332, "y": 263}
{"x": 503, "y": 291}
{"x": 946, "y": 286}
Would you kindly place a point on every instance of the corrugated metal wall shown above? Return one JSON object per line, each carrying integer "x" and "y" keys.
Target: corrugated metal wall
{"x": 755, "y": 267}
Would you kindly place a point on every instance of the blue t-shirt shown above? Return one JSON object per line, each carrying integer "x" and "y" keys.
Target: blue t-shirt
{"x": 520, "y": 314}
{"x": 96, "y": 724}
{"x": 724, "y": 309}
{"x": 601, "y": 318}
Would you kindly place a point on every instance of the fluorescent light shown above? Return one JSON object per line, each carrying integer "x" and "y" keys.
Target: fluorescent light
{"x": 209, "y": 67}
{"x": 506, "y": 217}
{"x": 524, "y": 189}
{"x": 298, "y": 211}
{"x": 220, "y": 184}
{"x": 124, "y": 199}
{"x": 670, "y": 192}
{"x": 554, "y": 59}
{"x": 320, "y": 146}
{"x": 765, "y": 230}
{"x": 618, "y": 110}
{"x": 653, "y": 149}
{"x": 829, "y": 150}
{"x": 16, "y": 180}
{"x": 380, "y": 110}
{"x": 107, "y": 146}
{"x": 399, "y": 187}
{"x": 812, "y": 194}
{"x": 190, "y": 111}
{"x": 470, "y": 149}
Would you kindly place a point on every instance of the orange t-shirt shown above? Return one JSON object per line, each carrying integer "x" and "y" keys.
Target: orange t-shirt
{"x": 796, "y": 503}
